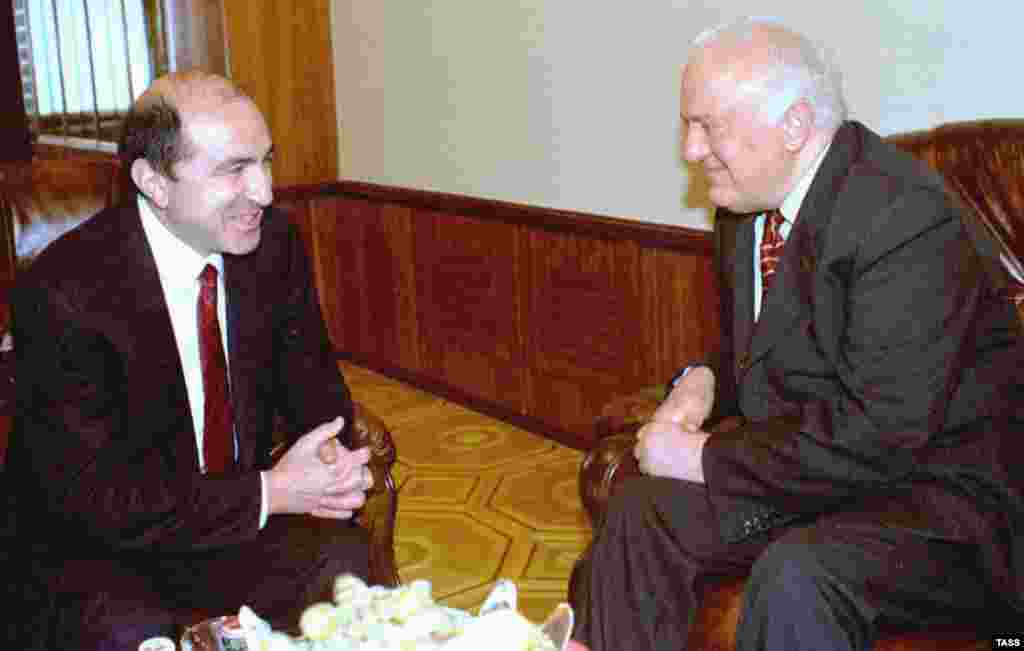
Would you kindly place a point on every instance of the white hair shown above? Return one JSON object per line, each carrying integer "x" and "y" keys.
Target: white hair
{"x": 804, "y": 70}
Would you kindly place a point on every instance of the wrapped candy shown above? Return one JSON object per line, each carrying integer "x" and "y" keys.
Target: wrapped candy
{"x": 406, "y": 618}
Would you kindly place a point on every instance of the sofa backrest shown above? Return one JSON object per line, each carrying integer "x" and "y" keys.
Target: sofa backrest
{"x": 49, "y": 196}
{"x": 41, "y": 200}
{"x": 982, "y": 161}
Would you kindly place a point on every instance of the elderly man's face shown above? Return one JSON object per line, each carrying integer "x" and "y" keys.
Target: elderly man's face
{"x": 215, "y": 205}
{"x": 744, "y": 156}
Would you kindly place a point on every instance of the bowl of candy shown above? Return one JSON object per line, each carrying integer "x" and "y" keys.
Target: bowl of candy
{"x": 377, "y": 618}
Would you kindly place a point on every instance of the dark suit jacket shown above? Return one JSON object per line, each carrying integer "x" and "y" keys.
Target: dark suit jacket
{"x": 103, "y": 453}
{"x": 883, "y": 363}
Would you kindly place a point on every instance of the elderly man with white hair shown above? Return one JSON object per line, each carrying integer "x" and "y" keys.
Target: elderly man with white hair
{"x": 851, "y": 445}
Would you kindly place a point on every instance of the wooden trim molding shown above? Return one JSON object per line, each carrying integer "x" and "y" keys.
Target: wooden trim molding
{"x": 533, "y": 315}
{"x": 649, "y": 234}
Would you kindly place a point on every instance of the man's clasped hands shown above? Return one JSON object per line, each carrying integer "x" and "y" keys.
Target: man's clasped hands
{"x": 320, "y": 476}
{"x": 671, "y": 442}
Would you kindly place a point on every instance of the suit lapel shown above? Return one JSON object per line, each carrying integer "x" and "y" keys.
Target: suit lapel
{"x": 792, "y": 293}
{"x": 781, "y": 305}
{"x": 242, "y": 298}
{"x": 743, "y": 281}
{"x": 136, "y": 298}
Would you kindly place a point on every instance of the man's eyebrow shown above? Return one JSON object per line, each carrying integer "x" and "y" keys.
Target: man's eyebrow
{"x": 246, "y": 160}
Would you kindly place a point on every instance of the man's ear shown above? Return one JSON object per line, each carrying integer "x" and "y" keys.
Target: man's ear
{"x": 150, "y": 182}
{"x": 797, "y": 124}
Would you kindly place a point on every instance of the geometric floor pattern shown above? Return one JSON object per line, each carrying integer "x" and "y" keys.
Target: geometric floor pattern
{"x": 479, "y": 499}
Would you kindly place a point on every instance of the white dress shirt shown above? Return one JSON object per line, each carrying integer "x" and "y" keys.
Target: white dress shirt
{"x": 789, "y": 209}
{"x": 179, "y": 266}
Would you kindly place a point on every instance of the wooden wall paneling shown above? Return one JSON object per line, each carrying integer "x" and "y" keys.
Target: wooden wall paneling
{"x": 468, "y": 305}
{"x": 680, "y": 313}
{"x": 280, "y": 52}
{"x": 365, "y": 252}
{"x": 320, "y": 225}
{"x": 194, "y": 30}
{"x": 585, "y": 330}
{"x": 300, "y": 213}
{"x": 390, "y": 317}
{"x": 534, "y": 316}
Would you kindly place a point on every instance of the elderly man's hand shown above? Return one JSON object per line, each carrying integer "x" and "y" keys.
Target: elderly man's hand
{"x": 690, "y": 401}
{"x": 670, "y": 450}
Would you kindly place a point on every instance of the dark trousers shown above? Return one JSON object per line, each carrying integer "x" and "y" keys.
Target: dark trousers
{"x": 825, "y": 583}
{"x": 112, "y": 604}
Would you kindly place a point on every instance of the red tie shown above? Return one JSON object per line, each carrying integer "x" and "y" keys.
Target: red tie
{"x": 218, "y": 421}
{"x": 771, "y": 250}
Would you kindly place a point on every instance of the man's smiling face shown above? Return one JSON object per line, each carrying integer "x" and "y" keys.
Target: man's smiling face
{"x": 215, "y": 202}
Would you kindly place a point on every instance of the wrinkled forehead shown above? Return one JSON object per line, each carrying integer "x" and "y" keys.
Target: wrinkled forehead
{"x": 706, "y": 90}
{"x": 234, "y": 130}
{"x": 713, "y": 77}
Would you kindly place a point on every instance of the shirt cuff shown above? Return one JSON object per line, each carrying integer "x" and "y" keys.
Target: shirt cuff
{"x": 680, "y": 374}
{"x": 263, "y": 499}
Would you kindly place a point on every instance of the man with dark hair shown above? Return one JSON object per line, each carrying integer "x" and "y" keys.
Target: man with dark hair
{"x": 152, "y": 131}
{"x": 870, "y": 375}
{"x": 155, "y": 343}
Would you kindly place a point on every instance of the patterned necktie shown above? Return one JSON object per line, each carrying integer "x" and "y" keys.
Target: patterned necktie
{"x": 218, "y": 420}
{"x": 771, "y": 250}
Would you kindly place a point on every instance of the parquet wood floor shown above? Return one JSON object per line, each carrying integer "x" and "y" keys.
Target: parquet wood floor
{"x": 479, "y": 499}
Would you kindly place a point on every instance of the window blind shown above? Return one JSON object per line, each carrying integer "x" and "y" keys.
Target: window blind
{"x": 83, "y": 62}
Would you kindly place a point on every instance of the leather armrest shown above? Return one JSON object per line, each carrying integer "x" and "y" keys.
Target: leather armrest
{"x": 628, "y": 412}
{"x": 611, "y": 459}
{"x": 609, "y": 462}
{"x": 379, "y": 513}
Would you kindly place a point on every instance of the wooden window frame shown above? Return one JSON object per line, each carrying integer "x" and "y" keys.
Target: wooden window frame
{"x": 185, "y": 33}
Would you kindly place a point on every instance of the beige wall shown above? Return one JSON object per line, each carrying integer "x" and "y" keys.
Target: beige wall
{"x": 573, "y": 104}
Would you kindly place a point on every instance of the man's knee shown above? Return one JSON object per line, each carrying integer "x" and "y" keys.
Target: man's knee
{"x": 345, "y": 548}
{"x": 100, "y": 604}
{"x": 788, "y": 569}
{"x": 630, "y": 496}
{"x": 638, "y": 494}
{"x": 795, "y": 591}
{"x": 122, "y": 626}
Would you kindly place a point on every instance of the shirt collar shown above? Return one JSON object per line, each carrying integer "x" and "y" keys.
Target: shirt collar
{"x": 791, "y": 204}
{"x": 176, "y": 261}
